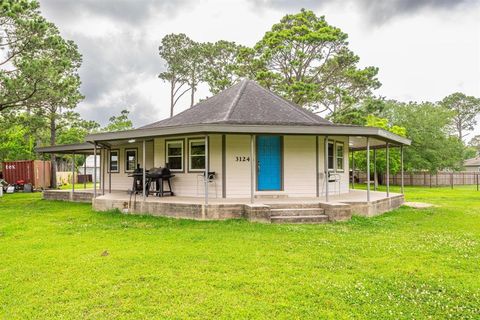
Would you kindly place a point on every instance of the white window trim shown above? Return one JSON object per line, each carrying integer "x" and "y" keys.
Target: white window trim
{"x": 339, "y": 143}
{"x": 126, "y": 158}
{"x": 190, "y": 155}
{"x": 110, "y": 160}
{"x": 167, "y": 156}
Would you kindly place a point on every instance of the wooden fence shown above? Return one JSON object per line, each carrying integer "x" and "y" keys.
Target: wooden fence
{"x": 425, "y": 179}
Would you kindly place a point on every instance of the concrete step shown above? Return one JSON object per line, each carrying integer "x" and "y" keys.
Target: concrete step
{"x": 300, "y": 219}
{"x": 297, "y": 212}
{"x": 299, "y": 205}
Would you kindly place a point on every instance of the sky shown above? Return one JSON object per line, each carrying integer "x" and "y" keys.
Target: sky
{"x": 424, "y": 49}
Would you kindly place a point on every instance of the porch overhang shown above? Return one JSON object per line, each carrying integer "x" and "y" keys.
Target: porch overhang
{"x": 324, "y": 130}
{"x": 77, "y": 148}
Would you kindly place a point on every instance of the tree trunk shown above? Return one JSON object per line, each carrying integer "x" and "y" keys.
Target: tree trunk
{"x": 53, "y": 138}
{"x": 172, "y": 90}
{"x": 192, "y": 94}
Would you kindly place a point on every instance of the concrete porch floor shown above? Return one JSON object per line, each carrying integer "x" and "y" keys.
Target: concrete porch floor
{"x": 339, "y": 207}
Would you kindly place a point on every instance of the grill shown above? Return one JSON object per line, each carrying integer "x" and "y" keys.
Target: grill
{"x": 155, "y": 175}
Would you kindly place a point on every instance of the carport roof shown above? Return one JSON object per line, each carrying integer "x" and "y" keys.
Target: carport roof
{"x": 78, "y": 148}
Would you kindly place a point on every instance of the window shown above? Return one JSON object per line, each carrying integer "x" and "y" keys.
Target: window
{"x": 130, "y": 160}
{"x": 174, "y": 155}
{"x": 113, "y": 161}
{"x": 196, "y": 152}
{"x": 339, "y": 155}
{"x": 331, "y": 156}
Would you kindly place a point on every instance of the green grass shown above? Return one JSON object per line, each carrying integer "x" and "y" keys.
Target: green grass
{"x": 79, "y": 186}
{"x": 402, "y": 265}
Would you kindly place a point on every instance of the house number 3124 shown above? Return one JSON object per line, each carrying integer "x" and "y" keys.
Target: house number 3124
{"x": 242, "y": 159}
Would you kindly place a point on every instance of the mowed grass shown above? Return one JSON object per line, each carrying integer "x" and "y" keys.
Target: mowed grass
{"x": 62, "y": 260}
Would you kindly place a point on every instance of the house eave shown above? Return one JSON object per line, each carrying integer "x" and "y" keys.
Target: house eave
{"x": 331, "y": 130}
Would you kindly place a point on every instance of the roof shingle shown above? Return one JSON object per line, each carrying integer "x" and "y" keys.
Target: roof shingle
{"x": 244, "y": 103}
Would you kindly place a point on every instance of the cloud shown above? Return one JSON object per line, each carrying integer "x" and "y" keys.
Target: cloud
{"x": 376, "y": 11}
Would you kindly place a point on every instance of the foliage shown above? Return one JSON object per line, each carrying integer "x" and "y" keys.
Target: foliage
{"x": 380, "y": 162}
{"x": 466, "y": 109}
{"x": 408, "y": 264}
{"x": 432, "y": 148}
{"x": 475, "y": 143}
{"x": 119, "y": 123}
{"x": 221, "y": 65}
{"x": 175, "y": 50}
{"x": 308, "y": 62}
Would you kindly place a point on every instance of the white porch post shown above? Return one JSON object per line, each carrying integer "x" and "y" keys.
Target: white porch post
{"x": 401, "y": 168}
{"x": 387, "y": 178}
{"x": 206, "y": 170}
{"x": 44, "y": 182}
{"x": 144, "y": 175}
{"x": 84, "y": 171}
{"x": 325, "y": 165}
{"x": 94, "y": 169}
{"x": 368, "y": 169}
{"x": 73, "y": 173}
{"x": 252, "y": 170}
{"x": 109, "y": 159}
{"x": 102, "y": 168}
{"x": 353, "y": 169}
{"x": 375, "y": 178}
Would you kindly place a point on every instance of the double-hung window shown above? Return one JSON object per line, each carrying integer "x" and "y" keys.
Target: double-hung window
{"x": 331, "y": 156}
{"x": 196, "y": 155}
{"x": 174, "y": 155}
{"x": 113, "y": 165}
{"x": 339, "y": 155}
{"x": 130, "y": 160}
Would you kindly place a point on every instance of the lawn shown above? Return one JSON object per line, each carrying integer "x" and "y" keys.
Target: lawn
{"x": 62, "y": 260}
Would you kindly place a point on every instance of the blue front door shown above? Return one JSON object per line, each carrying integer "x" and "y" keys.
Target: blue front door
{"x": 269, "y": 163}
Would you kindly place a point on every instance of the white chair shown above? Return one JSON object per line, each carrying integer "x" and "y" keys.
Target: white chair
{"x": 212, "y": 178}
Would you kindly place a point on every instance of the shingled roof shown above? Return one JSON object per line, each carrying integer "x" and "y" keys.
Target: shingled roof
{"x": 244, "y": 103}
{"x": 473, "y": 162}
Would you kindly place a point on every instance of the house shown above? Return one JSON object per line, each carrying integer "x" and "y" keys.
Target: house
{"x": 472, "y": 165}
{"x": 258, "y": 148}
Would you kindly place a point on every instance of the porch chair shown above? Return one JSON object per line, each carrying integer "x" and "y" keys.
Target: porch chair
{"x": 212, "y": 178}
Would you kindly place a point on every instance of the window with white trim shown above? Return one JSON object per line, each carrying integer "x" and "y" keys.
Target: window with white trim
{"x": 130, "y": 160}
{"x": 331, "y": 156}
{"x": 339, "y": 154}
{"x": 196, "y": 155}
{"x": 174, "y": 155}
{"x": 113, "y": 161}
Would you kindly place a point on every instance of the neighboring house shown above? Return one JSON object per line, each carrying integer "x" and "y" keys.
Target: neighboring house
{"x": 89, "y": 167}
{"x": 258, "y": 144}
{"x": 472, "y": 165}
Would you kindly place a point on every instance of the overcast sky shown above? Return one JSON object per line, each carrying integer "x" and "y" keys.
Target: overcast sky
{"x": 425, "y": 49}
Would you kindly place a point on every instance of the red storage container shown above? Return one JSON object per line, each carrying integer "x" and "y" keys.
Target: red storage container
{"x": 30, "y": 171}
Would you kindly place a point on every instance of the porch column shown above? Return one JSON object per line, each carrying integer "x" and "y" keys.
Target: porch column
{"x": 252, "y": 170}
{"x": 368, "y": 169}
{"x": 401, "y": 168}
{"x": 317, "y": 186}
{"x": 109, "y": 168}
{"x": 102, "y": 169}
{"x": 73, "y": 172}
{"x": 325, "y": 165}
{"x": 144, "y": 175}
{"x": 206, "y": 170}
{"x": 353, "y": 169}
{"x": 44, "y": 182}
{"x": 84, "y": 171}
{"x": 387, "y": 178}
{"x": 94, "y": 169}
{"x": 375, "y": 178}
